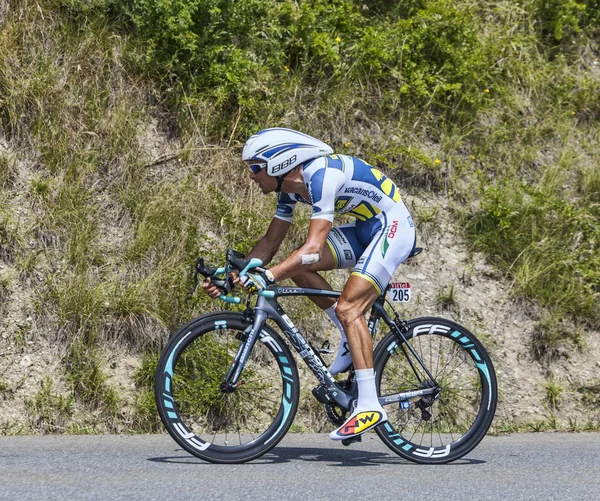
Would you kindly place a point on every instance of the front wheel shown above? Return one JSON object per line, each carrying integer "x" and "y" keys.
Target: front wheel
{"x": 219, "y": 423}
{"x": 449, "y": 422}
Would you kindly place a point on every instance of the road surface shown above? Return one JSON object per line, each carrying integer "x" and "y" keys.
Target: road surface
{"x": 546, "y": 466}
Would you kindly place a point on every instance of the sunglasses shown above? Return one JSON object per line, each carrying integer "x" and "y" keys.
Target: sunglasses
{"x": 256, "y": 168}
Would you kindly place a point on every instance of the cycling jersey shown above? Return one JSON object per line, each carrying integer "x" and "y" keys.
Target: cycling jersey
{"x": 383, "y": 235}
{"x": 343, "y": 185}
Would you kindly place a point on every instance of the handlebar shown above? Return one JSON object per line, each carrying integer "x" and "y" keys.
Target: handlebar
{"x": 234, "y": 261}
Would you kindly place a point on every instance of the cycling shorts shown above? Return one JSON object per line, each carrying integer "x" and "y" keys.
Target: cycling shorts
{"x": 374, "y": 248}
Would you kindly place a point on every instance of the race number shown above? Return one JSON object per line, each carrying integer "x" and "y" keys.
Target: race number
{"x": 399, "y": 292}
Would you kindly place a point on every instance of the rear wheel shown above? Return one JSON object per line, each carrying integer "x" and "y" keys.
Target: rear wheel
{"x": 221, "y": 425}
{"x": 450, "y": 422}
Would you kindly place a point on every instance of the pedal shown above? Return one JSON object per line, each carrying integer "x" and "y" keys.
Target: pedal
{"x": 348, "y": 441}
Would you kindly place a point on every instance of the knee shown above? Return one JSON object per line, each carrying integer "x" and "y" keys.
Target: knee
{"x": 346, "y": 312}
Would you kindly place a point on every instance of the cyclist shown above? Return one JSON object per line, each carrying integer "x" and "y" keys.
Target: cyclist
{"x": 303, "y": 169}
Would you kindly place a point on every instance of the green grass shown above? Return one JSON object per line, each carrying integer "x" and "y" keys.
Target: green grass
{"x": 49, "y": 412}
{"x": 492, "y": 106}
{"x": 553, "y": 393}
{"x": 446, "y": 297}
{"x": 590, "y": 394}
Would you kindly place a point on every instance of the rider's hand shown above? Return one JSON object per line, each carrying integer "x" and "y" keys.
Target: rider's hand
{"x": 253, "y": 283}
{"x": 257, "y": 281}
{"x": 211, "y": 289}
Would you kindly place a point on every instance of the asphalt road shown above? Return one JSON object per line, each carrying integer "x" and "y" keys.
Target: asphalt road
{"x": 550, "y": 466}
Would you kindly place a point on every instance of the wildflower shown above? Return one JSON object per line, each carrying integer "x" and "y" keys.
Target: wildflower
{"x": 572, "y": 113}
{"x": 286, "y": 68}
{"x": 338, "y": 39}
{"x": 347, "y": 144}
{"x": 472, "y": 157}
{"x": 438, "y": 161}
{"x": 487, "y": 91}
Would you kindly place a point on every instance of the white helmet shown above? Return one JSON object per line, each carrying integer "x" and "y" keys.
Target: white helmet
{"x": 280, "y": 150}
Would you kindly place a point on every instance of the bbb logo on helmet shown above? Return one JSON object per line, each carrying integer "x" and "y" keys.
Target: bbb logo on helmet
{"x": 284, "y": 164}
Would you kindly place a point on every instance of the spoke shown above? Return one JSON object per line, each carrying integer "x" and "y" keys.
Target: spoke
{"x": 439, "y": 434}
{"x": 459, "y": 409}
{"x": 416, "y": 430}
{"x": 403, "y": 377}
{"x": 451, "y": 358}
{"x": 439, "y": 376}
{"x": 263, "y": 398}
{"x": 439, "y": 351}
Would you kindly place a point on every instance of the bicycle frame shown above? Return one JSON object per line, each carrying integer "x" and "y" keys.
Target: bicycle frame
{"x": 267, "y": 307}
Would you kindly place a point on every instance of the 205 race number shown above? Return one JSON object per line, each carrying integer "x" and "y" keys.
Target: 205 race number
{"x": 399, "y": 292}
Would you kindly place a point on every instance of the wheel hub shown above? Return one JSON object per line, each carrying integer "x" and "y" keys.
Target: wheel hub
{"x": 229, "y": 387}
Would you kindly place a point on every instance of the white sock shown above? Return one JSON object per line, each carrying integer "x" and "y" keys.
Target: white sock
{"x": 342, "y": 358}
{"x": 367, "y": 392}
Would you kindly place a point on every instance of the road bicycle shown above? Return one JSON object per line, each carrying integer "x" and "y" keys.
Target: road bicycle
{"x": 227, "y": 386}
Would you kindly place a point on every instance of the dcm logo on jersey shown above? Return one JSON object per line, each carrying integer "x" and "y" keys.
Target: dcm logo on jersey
{"x": 390, "y": 236}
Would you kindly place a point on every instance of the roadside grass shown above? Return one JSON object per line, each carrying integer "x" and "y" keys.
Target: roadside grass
{"x": 554, "y": 391}
{"x": 541, "y": 425}
{"x": 446, "y": 297}
{"x": 590, "y": 394}
{"x": 501, "y": 117}
{"x": 49, "y": 411}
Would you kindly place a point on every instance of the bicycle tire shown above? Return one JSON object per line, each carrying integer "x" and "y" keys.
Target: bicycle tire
{"x": 463, "y": 413}
{"x": 203, "y": 419}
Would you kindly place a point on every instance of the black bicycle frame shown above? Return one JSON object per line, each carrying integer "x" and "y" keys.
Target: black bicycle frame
{"x": 268, "y": 307}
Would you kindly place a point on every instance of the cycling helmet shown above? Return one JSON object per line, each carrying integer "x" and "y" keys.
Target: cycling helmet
{"x": 280, "y": 150}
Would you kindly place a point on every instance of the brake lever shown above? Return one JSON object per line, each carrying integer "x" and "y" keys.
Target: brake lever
{"x": 207, "y": 272}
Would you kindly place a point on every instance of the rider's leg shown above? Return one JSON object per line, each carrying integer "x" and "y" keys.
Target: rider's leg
{"x": 357, "y": 297}
{"x": 311, "y": 279}
{"x": 390, "y": 246}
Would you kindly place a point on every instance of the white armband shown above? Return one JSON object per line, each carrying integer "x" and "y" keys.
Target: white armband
{"x": 310, "y": 258}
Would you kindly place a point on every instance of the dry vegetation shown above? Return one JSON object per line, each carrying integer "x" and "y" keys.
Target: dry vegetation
{"x": 120, "y": 130}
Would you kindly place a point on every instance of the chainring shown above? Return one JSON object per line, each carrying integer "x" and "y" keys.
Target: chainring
{"x": 335, "y": 414}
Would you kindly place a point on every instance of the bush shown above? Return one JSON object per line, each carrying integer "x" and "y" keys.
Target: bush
{"x": 548, "y": 245}
{"x": 250, "y": 56}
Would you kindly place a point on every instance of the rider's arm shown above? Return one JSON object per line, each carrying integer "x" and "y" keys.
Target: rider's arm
{"x": 264, "y": 249}
{"x": 317, "y": 236}
{"x": 324, "y": 184}
{"x": 268, "y": 245}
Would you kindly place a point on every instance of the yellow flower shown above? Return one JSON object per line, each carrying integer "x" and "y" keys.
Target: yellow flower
{"x": 286, "y": 68}
{"x": 487, "y": 91}
{"x": 438, "y": 161}
{"x": 347, "y": 144}
{"x": 572, "y": 113}
{"x": 472, "y": 157}
{"x": 338, "y": 39}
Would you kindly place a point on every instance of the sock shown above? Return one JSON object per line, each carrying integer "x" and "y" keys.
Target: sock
{"x": 367, "y": 393}
{"x": 342, "y": 359}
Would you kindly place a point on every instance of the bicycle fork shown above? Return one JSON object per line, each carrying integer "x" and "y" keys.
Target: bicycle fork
{"x": 241, "y": 357}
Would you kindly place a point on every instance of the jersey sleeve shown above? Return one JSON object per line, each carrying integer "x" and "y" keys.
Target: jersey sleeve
{"x": 323, "y": 187}
{"x": 285, "y": 207}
